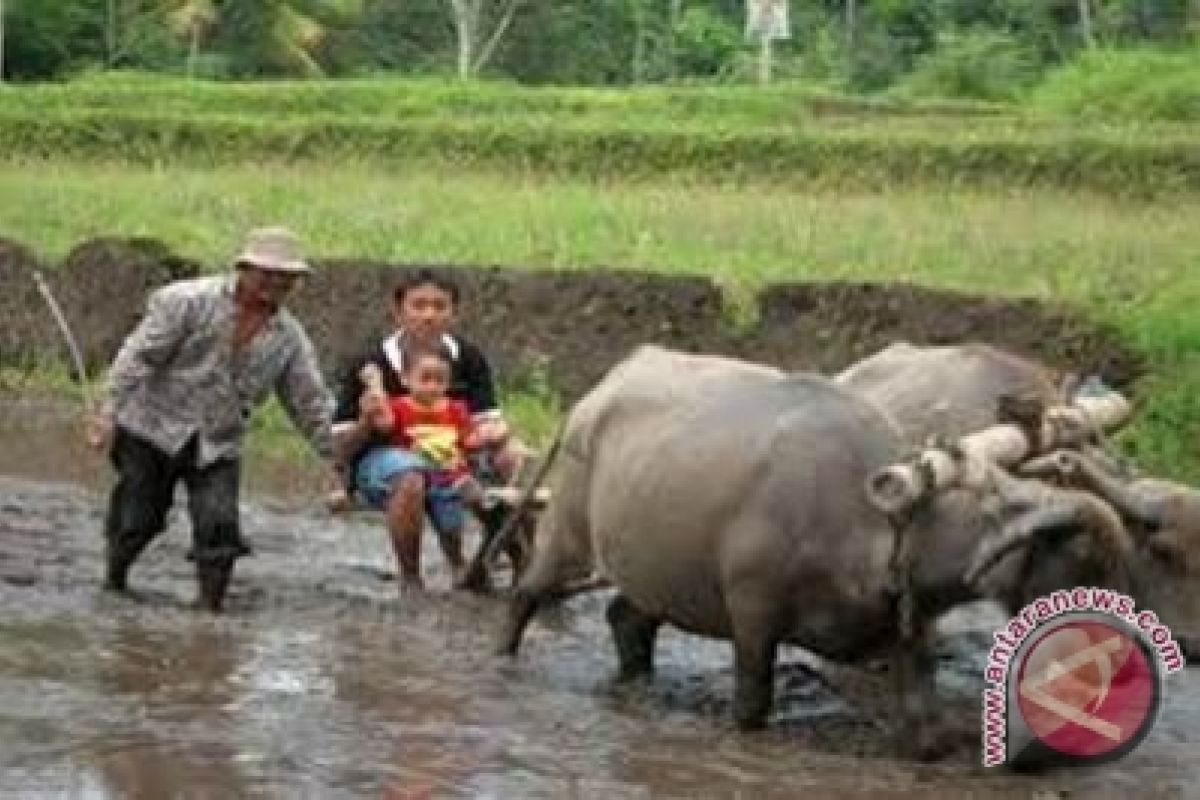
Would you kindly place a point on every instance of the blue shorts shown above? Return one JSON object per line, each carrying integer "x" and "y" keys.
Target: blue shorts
{"x": 445, "y": 508}
{"x": 379, "y": 470}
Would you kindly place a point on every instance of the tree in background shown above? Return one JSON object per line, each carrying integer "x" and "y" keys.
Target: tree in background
{"x": 1085, "y": 22}
{"x": 608, "y": 43}
{"x": 857, "y": 44}
{"x": 405, "y": 36}
{"x": 480, "y": 25}
{"x": 277, "y": 37}
{"x": 46, "y": 38}
{"x": 124, "y": 25}
{"x": 705, "y": 42}
{"x": 977, "y": 63}
{"x": 49, "y": 38}
{"x": 193, "y": 21}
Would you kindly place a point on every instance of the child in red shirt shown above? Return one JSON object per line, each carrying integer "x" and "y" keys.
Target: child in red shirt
{"x": 437, "y": 430}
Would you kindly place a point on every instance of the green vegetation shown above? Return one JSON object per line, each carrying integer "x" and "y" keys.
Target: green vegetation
{"x": 787, "y": 135}
{"x": 855, "y": 45}
{"x": 405, "y": 99}
{"x": 976, "y": 64}
{"x": 1042, "y": 148}
{"x": 1104, "y": 85}
{"x": 1124, "y": 261}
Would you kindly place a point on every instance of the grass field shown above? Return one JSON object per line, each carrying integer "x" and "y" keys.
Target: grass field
{"x": 396, "y": 97}
{"x": 787, "y": 134}
{"x": 1129, "y": 262}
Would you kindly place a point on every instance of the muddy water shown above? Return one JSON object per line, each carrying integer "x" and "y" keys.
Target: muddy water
{"x": 322, "y": 682}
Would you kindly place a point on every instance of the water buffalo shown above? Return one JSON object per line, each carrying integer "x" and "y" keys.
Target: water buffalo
{"x": 731, "y": 500}
{"x": 950, "y": 391}
{"x": 953, "y": 390}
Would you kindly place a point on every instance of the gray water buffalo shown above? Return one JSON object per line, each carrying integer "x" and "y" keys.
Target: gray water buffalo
{"x": 953, "y": 390}
{"x": 731, "y": 500}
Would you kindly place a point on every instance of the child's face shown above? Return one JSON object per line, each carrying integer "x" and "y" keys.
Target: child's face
{"x": 428, "y": 379}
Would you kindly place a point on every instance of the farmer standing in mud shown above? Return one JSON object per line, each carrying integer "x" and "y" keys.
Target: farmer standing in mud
{"x": 180, "y": 395}
{"x": 424, "y": 309}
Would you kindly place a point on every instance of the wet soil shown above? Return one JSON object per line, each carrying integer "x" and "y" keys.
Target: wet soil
{"x": 322, "y": 681}
{"x": 566, "y": 326}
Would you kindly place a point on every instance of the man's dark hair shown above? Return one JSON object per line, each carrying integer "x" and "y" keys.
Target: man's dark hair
{"x": 426, "y": 277}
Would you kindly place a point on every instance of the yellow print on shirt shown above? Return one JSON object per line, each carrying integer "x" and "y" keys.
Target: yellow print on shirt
{"x": 438, "y": 443}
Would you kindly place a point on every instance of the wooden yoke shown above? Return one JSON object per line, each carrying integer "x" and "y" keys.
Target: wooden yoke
{"x": 967, "y": 462}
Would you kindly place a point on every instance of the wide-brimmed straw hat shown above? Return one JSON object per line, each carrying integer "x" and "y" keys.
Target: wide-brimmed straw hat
{"x": 276, "y": 249}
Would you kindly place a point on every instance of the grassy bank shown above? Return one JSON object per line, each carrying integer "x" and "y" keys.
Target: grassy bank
{"x": 787, "y": 135}
{"x": 399, "y": 99}
{"x": 1130, "y": 263}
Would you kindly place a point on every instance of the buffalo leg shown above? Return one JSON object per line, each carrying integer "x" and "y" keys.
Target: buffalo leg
{"x": 521, "y": 609}
{"x": 634, "y": 633}
{"x": 565, "y": 557}
{"x": 753, "y": 676}
{"x": 533, "y": 592}
{"x": 527, "y": 600}
{"x": 920, "y": 734}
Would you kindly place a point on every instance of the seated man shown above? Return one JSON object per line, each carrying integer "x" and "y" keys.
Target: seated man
{"x": 424, "y": 307}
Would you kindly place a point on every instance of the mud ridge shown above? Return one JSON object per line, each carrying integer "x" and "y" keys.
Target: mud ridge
{"x": 568, "y": 326}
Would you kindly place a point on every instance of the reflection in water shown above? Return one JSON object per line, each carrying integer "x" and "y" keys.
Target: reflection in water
{"x": 432, "y": 747}
{"x": 183, "y": 730}
{"x": 185, "y": 669}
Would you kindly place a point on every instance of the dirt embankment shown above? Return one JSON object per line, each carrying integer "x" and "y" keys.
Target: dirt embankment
{"x": 573, "y": 325}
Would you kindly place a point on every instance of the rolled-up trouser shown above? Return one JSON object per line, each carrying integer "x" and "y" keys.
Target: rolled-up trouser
{"x": 145, "y": 490}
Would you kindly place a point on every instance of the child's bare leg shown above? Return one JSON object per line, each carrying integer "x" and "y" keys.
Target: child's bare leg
{"x": 405, "y": 520}
{"x": 471, "y": 495}
{"x": 451, "y": 542}
{"x": 471, "y": 492}
{"x": 466, "y": 493}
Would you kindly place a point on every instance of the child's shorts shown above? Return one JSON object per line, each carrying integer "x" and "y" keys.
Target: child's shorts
{"x": 378, "y": 470}
{"x": 377, "y": 473}
{"x": 445, "y": 508}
